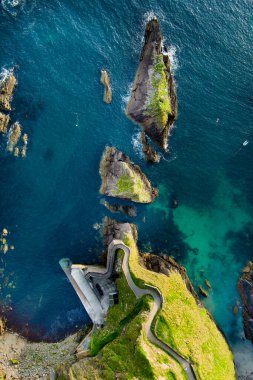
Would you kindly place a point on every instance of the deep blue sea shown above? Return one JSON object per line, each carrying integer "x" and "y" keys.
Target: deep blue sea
{"x": 49, "y": 201}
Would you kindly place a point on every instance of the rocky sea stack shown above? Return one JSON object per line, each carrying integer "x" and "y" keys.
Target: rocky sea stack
{"x": 153, "y": 101}
{"x": 105, "y": 80}
{"x": 245, "y": 287}
{"x": 122, "y": 179}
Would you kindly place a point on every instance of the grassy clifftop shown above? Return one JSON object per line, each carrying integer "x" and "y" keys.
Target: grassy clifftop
{"x": 121, "y": 348}
{"x": 183, "y": 324}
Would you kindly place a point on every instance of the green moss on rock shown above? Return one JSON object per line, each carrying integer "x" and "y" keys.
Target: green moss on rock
{"x": 122, "y": 179}
{"x": 159, "y": 105}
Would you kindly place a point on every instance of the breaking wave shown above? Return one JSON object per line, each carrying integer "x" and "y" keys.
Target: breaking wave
{"x": 172, "y": 52}
{"x": 136, "y": 143}
{"x": 13, "y": 6}
{"x": 4, "y": 73}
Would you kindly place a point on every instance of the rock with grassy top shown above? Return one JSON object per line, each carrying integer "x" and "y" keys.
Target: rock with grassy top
{"x": 122, "y": 179}
{"x": 7, "y": 84}
{"x": 153, "y": 101}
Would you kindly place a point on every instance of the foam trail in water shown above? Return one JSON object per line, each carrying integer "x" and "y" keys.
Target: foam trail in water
{"x": 136, "y": 142}
{"x": 125, "y": 98}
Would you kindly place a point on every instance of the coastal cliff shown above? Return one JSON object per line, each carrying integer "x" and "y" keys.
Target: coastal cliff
{"x": 245, "y": 287}
{"x": 153, "y": 101}
{"x": 122, "y": 179}
{"x": 183, "y": 323}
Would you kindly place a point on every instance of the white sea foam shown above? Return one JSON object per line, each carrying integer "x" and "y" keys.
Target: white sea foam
{"x": 137, "y": 144}
{"x": 172, "y": 52}
{"x": 125, "y": 98}
{"x": 4, "y": 73}
{"x": 13, "y": 6}
{"x": 150, "y": 15}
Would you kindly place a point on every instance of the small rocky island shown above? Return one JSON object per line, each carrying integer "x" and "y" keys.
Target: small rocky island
{"x": 245, "y": 287}
{"x": 122, "y": 179}
{"x": 105, "y": 80}
{"x": 153, "y": 101}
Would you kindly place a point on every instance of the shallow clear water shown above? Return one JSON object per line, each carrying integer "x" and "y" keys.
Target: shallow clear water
{"x": 49, "y": 201}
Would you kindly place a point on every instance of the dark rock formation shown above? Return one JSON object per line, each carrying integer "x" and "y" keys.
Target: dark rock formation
{"x": 122, "y": 179}
{"x": 116, "y": 230}
{"x": 245, "y": 287}
{"x": 128, "y": 210}
{"x": 150, "y": 154}
{"x": 202, "y": 291}
{"x": 153, "y": 101}
{"x": 7, "y": 84}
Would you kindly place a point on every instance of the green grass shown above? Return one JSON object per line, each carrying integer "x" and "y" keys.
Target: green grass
{"x": 159, "y": 105}
{"x": 122, "y": 348}
{"x": 184, "y": 325}
{"x": 131, "y": 186}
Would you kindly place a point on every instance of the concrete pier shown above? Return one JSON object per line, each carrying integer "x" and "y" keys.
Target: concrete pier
{"x": 93, "y": 286}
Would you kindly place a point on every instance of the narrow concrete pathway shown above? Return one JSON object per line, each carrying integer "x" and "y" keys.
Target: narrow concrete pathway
{"x": 158, "y": 302}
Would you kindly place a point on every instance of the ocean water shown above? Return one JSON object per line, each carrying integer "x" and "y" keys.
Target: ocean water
{"x": 49, "y": 201}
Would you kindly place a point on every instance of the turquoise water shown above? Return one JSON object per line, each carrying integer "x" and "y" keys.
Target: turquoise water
{"x": 49, "y": 201}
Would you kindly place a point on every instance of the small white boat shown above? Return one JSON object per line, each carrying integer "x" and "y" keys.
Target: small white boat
{"x": 245, "y": 143}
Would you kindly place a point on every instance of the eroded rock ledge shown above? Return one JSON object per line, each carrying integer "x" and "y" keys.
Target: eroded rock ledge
{"x": 153, "y": 101}
{"x": 122, "y": 179}
{"x": 7, "y": 84}
{"x": 245, "y": 287}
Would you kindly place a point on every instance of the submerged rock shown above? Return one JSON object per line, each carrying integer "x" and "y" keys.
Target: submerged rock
{"x": 202, "y": 291}
{"x": 128, "y": 210}
{"x": 153, "y": 101}
{"x": 150, "y": 154}
{"x": 14, "y": 136}
{"x": 245, "y": 287}
{"x": 7, "y": 84}
{"x": 105, "y": 80}
{"x": 16, "y": 152}
{"x": 122, "y": 179}
{"x": 4, "y": 121}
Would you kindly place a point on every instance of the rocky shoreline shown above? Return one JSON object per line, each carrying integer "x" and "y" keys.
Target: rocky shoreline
{"x": 245, "y": 288}
{"x": 8, "y": 83}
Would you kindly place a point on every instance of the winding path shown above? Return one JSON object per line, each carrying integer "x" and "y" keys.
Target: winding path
{"x": 158, "y": 304}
